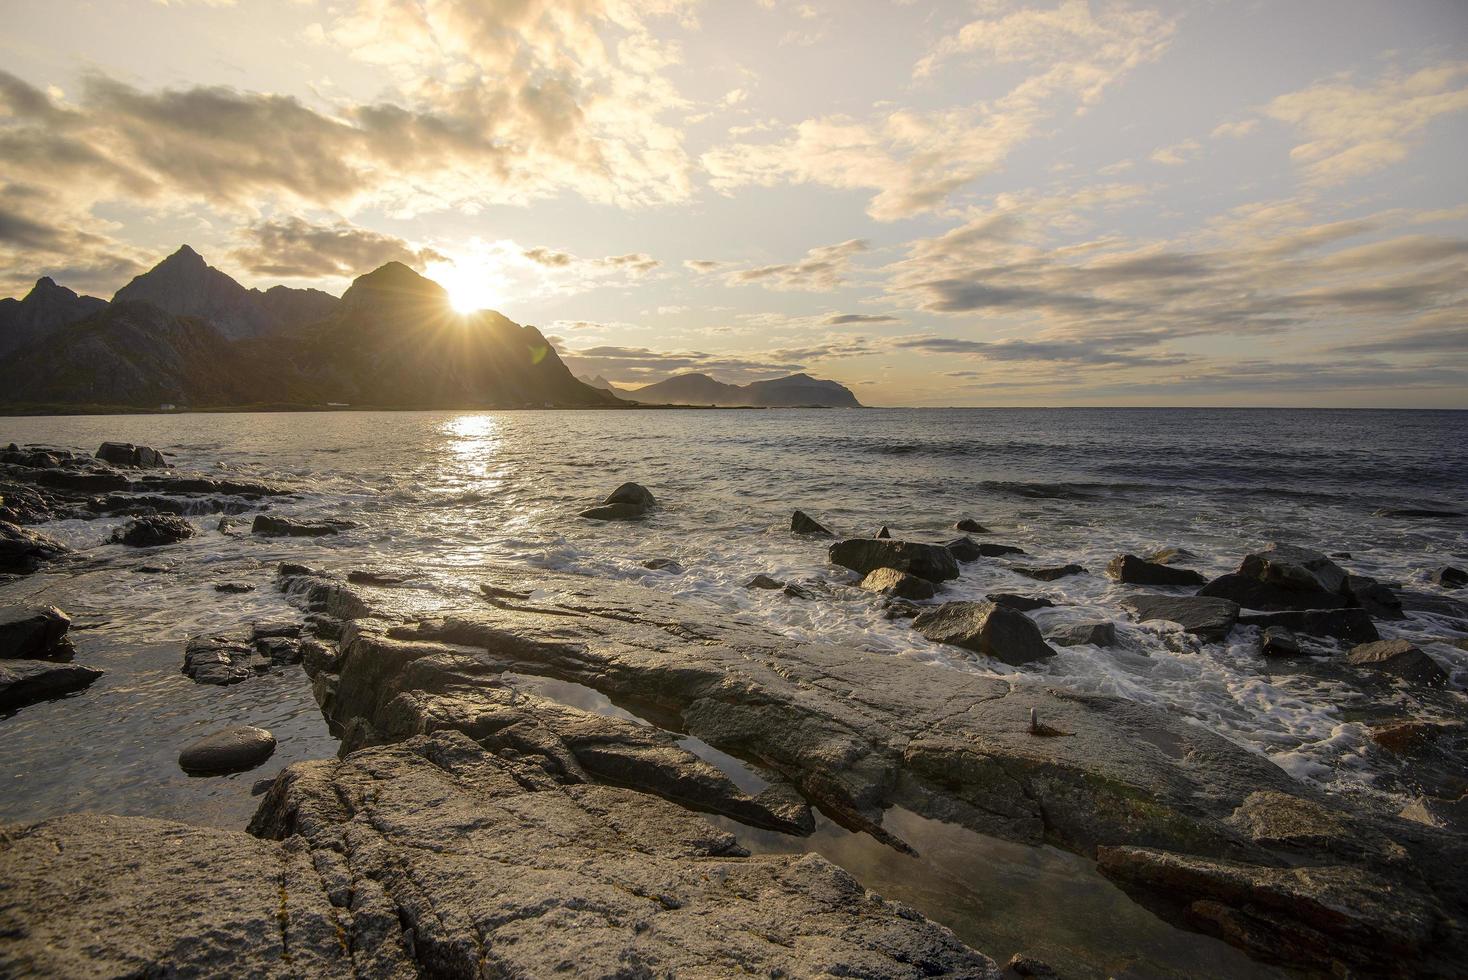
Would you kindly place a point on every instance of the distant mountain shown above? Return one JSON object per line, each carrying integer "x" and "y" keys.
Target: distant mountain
{"x": 599, "y": 382}
{"x": 185, "y": 285}
{"x": 46, "y": 307}
{"x": 391, "y": 341}
{"x": 700, "y": 389}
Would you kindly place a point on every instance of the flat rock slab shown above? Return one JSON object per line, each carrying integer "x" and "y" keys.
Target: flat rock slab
{"x": 1099, "y": 634}
{"x": 284, "y": 527}
{"x": 36, "y": 632}
{"x": 1354, "y": 625}
{"x": 23, "y": 550}
{"x": 221, "y": 660}
{"x": 1207, "y": 617}
{"x": 1400, "y": 659}
{"x": 230, "y": 750}
{"x": 24, "y": 682}
{"x": 153, "y": 532}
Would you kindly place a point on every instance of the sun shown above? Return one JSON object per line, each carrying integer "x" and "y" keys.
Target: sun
{"x": 472, "y": 286}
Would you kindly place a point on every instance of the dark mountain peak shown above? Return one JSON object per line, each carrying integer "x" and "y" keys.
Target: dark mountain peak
{"x": 47, "y": 307}
{"x": 44, "y": 285}
{"x": 788, "y": 392}
{"x": 185, "y": 285}
{"x": 395, "y": 285}
{"x": 187, "y": 254}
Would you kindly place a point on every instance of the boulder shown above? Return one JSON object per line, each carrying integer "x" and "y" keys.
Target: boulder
{"x": 233, "y": 588}
{"x": 1449, "y": 577}
{"x": 220, "y": 660}
{"x": 1252, "y": 593}
{"x": 1408, "y": 737}
{"x": 614, "y": 512}
{"x": 803, "y": 523}
{"x": 126, "y": 454}
{"x": 1379, "y": 601}
{"x": 633, "y": 494}
{"x": 153, "y": 532}
{"x": 1138, "y": 571}
{"x": 1169, "y": 555}
{"x": 23, "y": 551}
{"x": 1015, "y": 600}
{"x": 863, "y": 555}
{"x": 1293, "y": 567}
{"x": 883, "y": 532}
{"x": 1097, "y": 634}
{"x": 985, "y": 627}
{"x": 763, "y": 581}
{"x": 24, "y": 682}
{"x": 1048, "y": 573}
{"x": 267, "y": 525}
{"x": 1399, "y": 658}
{"x": 1342, "y": 624}
{"x": 970, "y": 526}
{"x": 34, "y": 632}
{"x": 990, "y": 550}
{"x": 1278, "y": 641}
{"x": 231, "y": 750}
{"x": 964, "y": 549}
{"x": 1201, "y": 615}
{"x": 891, "y": 582}
{"x": 668, "y": 565}
{"x": 797, "y": 591}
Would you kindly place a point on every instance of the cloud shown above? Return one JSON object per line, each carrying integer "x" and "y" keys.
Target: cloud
{"x": 634, "y": 264}
{"x": 1177, "y": 154}
{"x": 641, "y": 365}
{"x": 845, "y": 319}
{"x": 703, "y": 266}
{"x": 293, "y": 247}
{"x": 1096, "y": 352}
{"x": 1351, "y": 130}
{"x": 1234, "y": 130}
{"x": 822, "y": 269}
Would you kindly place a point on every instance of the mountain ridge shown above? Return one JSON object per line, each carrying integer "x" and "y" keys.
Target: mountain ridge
{"x": 793, "y": 391}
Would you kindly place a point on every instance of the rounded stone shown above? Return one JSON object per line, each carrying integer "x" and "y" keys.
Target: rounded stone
{"x": 227, "y": 751}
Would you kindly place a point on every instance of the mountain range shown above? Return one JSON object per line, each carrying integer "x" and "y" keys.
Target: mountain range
{"x": 797, "y": 390}
{"x": 186, "y": 335}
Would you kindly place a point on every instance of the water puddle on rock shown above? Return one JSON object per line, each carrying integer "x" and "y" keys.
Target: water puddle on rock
{"x": 998, "y": 896}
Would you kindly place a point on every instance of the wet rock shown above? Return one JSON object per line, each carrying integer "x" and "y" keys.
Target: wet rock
{"x": 1399, "y": 658}
{"x": 126, "y": 454}
{"x": 1252, "y": 593}
{"x": 985, "y": 627}
{"x": 797, "y": 591}
{"x": 1450, "y": 612}
{"x": 23, "y": 551}
{"x": 1449, "y": 577}
{"x": 153, "y": 532}
{"x": 231, "y": 750}
{"x": 1277, "y": 641}
{"x": 1330, "y": 918}
{"x": 1138, "y": 571}
{"x": 1100, "y": 634}
{"x": 1379, "y": 601}
{"x": 233, "y": 588}
{"x": 964, "y": 549}
{"x": 1049, "y": 573}
{"x": 614, "y": 512}
{"x": 634, "y": 495}
{"x": 1169, "y": 555}
{"x": 289, "y": 569}
{"x": 278, "y": 650}
{"x": 1021, "y": 965}
{"x": 883, "y": 532}
{"x": 322, "y": 594}
{"x": 265, "y": 631}
{"x": 891, "y": 582}
{"x": 34, "y": 632}
{"x": 359, "y": 576}
{"x": 220, "y": 660}
{"x": 668, "y": 565}
{"x": 1207, "y": 617}
{"x": 324, "y": 626}
{"x": 24, "y": 682}
{"x": 1293, "y": 567}
{"x": 930, "y": 561}
{"x": 267, "y": 525}
{"x": 970, "y": 526}
{"x": 1408, "y": 737}
{"x": 1341, "y": 624}
{"x": 1014, "y": 600}
{"x": 803, "y": 523}
{"x": 989, "y": 550}
{"x": 764, "y": 582}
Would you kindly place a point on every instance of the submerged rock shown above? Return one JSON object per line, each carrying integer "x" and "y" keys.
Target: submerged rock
{"x": 1277, "y": 641}
{"x": 1251, "y": 593}
{"x": 126, "y": 454}
{"x": 964, "y": 549}
{"x": 1342, "y": 624}
{"x": 1399, "y": 658}
{"x": 267, "y": 525}
{"x": 23, "y": 551}
{"x": 24, "y": 682}
{"x": 1138, "y": 571}
{"x": 763, "y": 581}
{"x": 1207, "y": 617}
{"x": 614, "y": 512}
{"x": 1168, "y": 555}
{"x": 883, "y": 532}
{"x": 1379, "y": 601}
{"x": 360, "y": 576}
{"x": 220, "y": 660}
{"x": 153, "y": 532}
{"x": 803, "y": 523}
{"x": 670, "y": 565}
{"x": 1415, "y": 512}
{"x": 1024, "y": 603}
{"x": 985, "y": 627}
{"x": 970, "y": 526}
{"x": 1050, "y": 573}
{"x": 1100, "y": 634}
{"x": 930, "y": 561}
{"x": 231, "y": 750}
{"x": 632, "y": 494}
{"x": 891, "y": 582}
{"x": 1449, "y": 577}
{"x": 990, "y": 550}
{"x": 1293, "y": 567}
{"x": 35, "y": 632}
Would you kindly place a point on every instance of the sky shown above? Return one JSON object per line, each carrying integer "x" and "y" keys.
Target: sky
{"x": 1215, "y": 202}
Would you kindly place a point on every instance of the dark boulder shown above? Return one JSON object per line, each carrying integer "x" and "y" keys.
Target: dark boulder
{"x": 1138, "y": 571}
{"x": 285, "y": 527}
{"x": 126, "y": 454}
{"x": 1049, "y": 573}
{"x": 990, "y": 550}
{"x": 1399, "y": 658}
{"x": 883, "y": 532}
{"x": 634, "y": 494}
{"x": 985, "y": 627}
{"x": 1169, "y": 555}
{"x": 669, "y": 565}
{"x": 763, "y": 581}
{"x": 964, "y": 549}
{"x": 359, "y": 576}
{"x": 153, "y": 532}
{"x": 803, "y": 523}
{"x": 930, "y": 561}
{"x": 1277, "y": 641}
{"x": 1342, "y": 624}
{"x": 233, "y": 588}
{"x": 797, "y": 591}
{"x": 1251, "y": 593}
{"x": 23, "y": 550}
{"x": 970, "y": 526}
{"x": 1449, "y": 577}
{"x": 231, "y": 750}
{"x": 34, "y": 632}
{"x": 24, "y": 682}
{"x": 1015, "y": 600}
{"x": 1098, "y": 634}
{"x": 220, "y": 660}
{"x": 614, "y": 512}
{"x": 1292, "y": 567}
{"x": 1379, "y": 600}
{"x": 1207, "y": 617}
{"x": 901, "y": 585}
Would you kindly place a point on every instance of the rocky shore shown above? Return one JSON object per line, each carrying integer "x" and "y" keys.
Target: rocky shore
{"x": 523, "y": 778}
